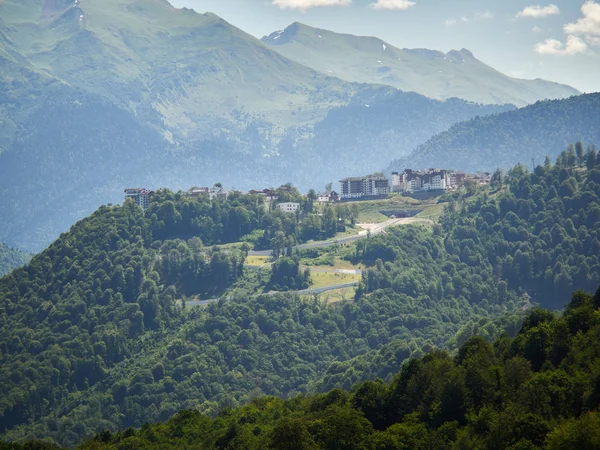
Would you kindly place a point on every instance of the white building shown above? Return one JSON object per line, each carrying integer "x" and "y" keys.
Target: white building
{"x": 396, "y": 184}
{"x": 426, "y": 180}
{"x": 289, "y": 207}
{"x": 140, "y": 196}
{"x": 369, "y": 186}
{"x": 213, "y": 193}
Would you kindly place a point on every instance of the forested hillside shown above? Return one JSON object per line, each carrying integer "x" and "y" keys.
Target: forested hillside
{"x": 11, "y": 258}
{"x": 503, "y": 140}
{"x": 538, "y": 390}
{"x": 539, "y": 237}
{"x": 94, "y": 335}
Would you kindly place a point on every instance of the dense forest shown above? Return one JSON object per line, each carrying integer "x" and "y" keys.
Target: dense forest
{"x": 11, "y": 258}
{"x": 536, "y": 235}
{"x": 503, "y": 140}
{"x": 95, "y": 334}
{"x": 539, "y": 390}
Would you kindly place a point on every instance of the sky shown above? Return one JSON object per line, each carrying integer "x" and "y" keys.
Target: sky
{"x": 557, "y": 40}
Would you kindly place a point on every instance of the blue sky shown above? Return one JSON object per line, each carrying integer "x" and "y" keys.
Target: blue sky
{"x": 557, "y": 40}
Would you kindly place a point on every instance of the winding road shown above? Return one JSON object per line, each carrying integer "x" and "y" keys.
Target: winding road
{"x": 373, "y": 228}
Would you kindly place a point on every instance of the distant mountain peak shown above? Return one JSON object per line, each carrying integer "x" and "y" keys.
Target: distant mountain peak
{"x": 289, "y": 34}
{"x": 432, "y": 73}
{"x": 461, "y": 56}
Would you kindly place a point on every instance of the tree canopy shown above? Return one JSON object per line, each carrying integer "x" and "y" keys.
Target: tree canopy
{"x": 95, "y": 334}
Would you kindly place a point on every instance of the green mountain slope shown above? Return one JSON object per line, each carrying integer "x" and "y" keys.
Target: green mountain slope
{"x": 430, "y": 73}
{"x": 538, "y": 390}
{"x": 99, "y": 96}
{"x": 11, "y": 258}
{"x": 486, "y": 143}
{"x": 94, "y": 337}
{"x": 164, "y": 63}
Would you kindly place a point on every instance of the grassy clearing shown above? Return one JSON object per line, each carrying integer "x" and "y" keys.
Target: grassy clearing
{"x": 323, "y": 279}
{"x": 368, "y": 211}
{"x": 432, "y": 212}
{"x": 339, "y": 264}
{"x": 257, "y": 260}
{"x": 350, "y": 231}
{"x": 338, "y": 295}
{"x": 371, "y": 215}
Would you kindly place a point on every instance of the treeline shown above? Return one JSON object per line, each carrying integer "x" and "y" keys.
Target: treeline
{"x": 11, "y": 258}
{"x": 215, "y": 357}
{"x": 503, "y": 140}
{"x": 539, "y": 390}
{"x": 249, "y": 218}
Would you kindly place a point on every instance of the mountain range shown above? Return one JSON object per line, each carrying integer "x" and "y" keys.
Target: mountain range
{"x": 99, "y": 96}
{"x": 431, "y": 73}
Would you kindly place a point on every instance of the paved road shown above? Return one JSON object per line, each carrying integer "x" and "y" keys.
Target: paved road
{"x": 328, "y": 270}
{"x": 374, "y": 228}
{"x": 310, "y": 291}
{"x": 326, "y": 288}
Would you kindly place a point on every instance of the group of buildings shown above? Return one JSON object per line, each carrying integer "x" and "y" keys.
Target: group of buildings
{"x": 408, "y": 182}
{"x": 352, "y": 188}
{"x": 411, "y": 181}
{"x": 141, "y": 196}
{"x": 435, "y": 180}
{"x": 217, "y": 192}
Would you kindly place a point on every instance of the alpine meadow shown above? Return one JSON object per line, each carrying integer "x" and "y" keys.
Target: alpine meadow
{"x": 346, "y": 234}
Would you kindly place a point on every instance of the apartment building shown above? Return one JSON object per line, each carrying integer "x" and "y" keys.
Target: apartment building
{"x": 140, "y": 196}
{"x": 368, "y": 186}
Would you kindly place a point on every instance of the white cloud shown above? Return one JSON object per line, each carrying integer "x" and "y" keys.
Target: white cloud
{"x": 539, "y": 11}
{"x": 464, "y": 19}
{"x": 392, "y": 4}
{"x": 306, "y": 4}
{"x": 537, "y": 29}
{"x": 589, "y": 26}
{"x": 579, "y": 35}
{"x": 450, "y": 22}
{"x": 573, "y": 46}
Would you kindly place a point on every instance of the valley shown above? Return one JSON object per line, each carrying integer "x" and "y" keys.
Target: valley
{"x": 317, "y": 240}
